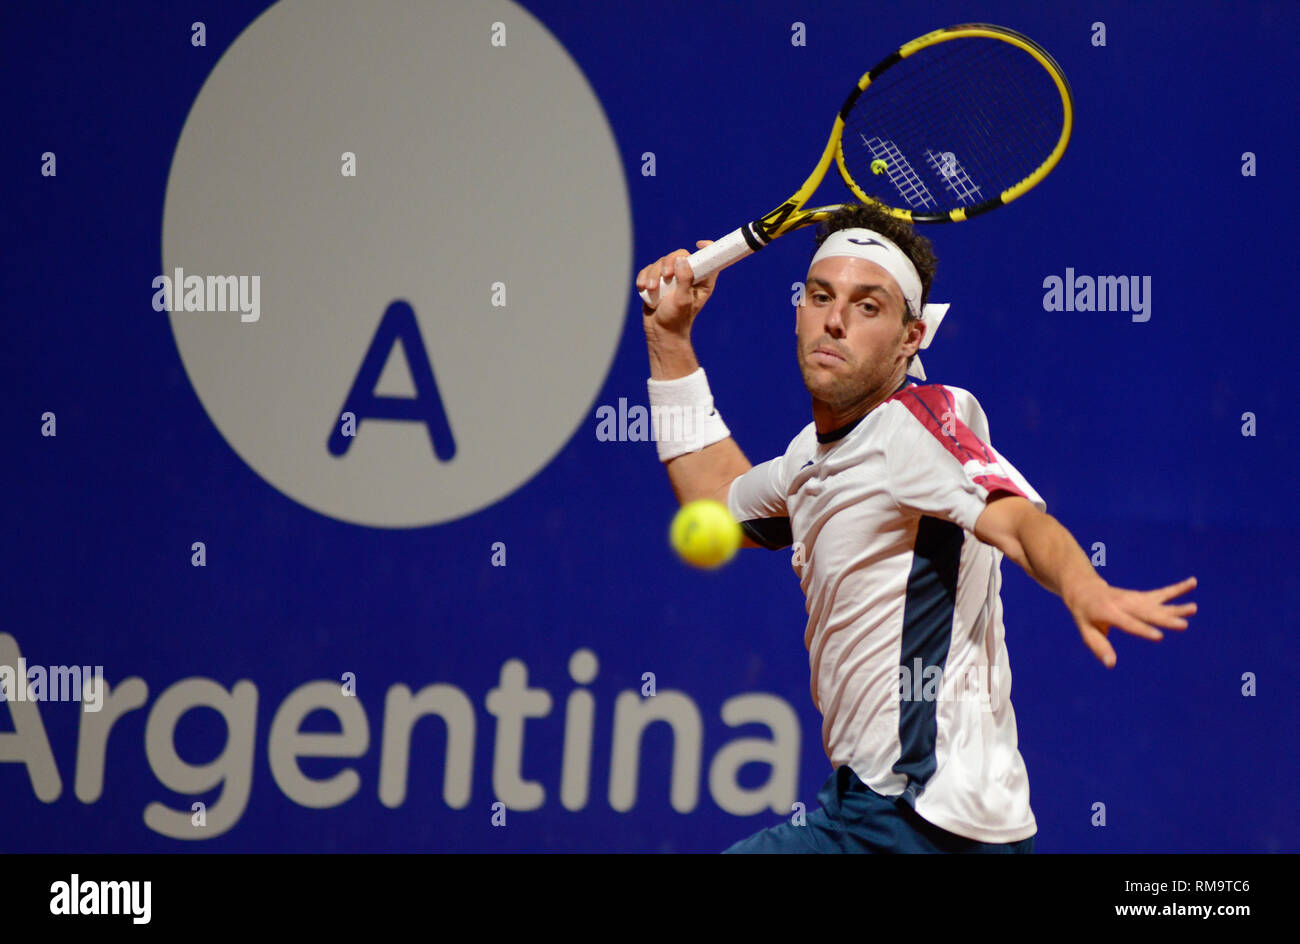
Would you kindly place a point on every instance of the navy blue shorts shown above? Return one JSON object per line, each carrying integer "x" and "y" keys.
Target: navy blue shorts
{"x": 855, "y": 818}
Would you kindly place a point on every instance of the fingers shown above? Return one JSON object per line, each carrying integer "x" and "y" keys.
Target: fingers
{"x": 663, "y": 267}
{"x": 683, "y": 292}
{"x": 707, "y": 283}
{"x": 648, "y": 279}
{"x": 1175, "y": 589}
{"x": 1142, "y": 608}
{"x": 1098, "y": 644}
{"x": 651, "y": 288}
{"x": 1094, "y": 631}
{"x": 1136, "y": 613}
{"x": 1170, "y": 616}
{"x": 1135, "y": 627}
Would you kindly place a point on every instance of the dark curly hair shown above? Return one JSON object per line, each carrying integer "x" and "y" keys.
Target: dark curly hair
{"x": 915, "y": 246}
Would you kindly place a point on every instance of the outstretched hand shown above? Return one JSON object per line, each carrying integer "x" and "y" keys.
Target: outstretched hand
{"x": 1099, "y": 606}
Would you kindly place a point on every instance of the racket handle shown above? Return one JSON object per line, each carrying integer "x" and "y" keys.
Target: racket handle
{"x": 704, "y": 262}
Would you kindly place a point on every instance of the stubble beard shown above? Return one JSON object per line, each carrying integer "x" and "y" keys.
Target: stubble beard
{"x": 842, "y": 390}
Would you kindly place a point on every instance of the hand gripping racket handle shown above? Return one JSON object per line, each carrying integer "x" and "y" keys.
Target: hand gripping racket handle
{"x": 704, "y": 262}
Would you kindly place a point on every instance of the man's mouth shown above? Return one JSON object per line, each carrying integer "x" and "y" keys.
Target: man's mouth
{"x": 828, "y": 354}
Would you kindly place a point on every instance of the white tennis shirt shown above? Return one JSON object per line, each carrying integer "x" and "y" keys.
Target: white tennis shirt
{"x": 905, "y": 636}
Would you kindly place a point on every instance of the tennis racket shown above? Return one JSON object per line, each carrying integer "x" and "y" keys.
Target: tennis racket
{"x": 951, "y": 125}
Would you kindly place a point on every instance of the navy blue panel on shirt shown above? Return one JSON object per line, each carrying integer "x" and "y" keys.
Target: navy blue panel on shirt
{"x": 927, "y": 632}
{"x": 771, "y": 533}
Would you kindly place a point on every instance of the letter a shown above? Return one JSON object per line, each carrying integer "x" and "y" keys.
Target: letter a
{"x": 398, "y": 324}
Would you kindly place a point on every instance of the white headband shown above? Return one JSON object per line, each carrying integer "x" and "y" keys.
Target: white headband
{"x": 869, "y": 245}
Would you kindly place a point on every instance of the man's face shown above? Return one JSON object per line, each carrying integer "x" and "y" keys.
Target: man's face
{"x": 853, "y": 308}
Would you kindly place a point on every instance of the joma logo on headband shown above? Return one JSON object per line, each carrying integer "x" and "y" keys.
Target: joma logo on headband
{"x": 864, "y": 242}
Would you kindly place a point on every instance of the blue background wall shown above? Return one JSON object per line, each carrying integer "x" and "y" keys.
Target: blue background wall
{"x": 1132, "y": 432}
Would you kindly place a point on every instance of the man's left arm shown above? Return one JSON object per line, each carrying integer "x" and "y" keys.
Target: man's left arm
{"x": 1050, "y": 554}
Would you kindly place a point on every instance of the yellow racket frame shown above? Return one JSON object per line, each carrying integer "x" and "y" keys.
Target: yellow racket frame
{"x": 789, "y": 216}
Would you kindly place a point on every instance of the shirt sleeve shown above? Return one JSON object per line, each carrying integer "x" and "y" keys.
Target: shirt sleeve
{"x": 941, "y": 465}
{"x": 757, "y": 501}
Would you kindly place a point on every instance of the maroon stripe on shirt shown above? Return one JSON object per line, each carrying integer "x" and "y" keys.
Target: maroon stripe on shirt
{"x": 933, "y": 407}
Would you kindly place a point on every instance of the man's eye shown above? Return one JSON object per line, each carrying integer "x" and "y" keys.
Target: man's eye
{"x": 820, "y": 297}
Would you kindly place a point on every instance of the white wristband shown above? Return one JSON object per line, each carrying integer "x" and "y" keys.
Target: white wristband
{"x": 682, "y": 415}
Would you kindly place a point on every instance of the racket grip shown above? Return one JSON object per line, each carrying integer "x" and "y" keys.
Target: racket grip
{"x": 704, "y": 262}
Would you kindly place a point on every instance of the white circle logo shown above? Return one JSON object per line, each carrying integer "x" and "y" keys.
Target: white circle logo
{"x": 409, "y": 213}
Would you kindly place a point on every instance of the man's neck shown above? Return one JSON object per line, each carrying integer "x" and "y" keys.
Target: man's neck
{"x": 827, "y": 420}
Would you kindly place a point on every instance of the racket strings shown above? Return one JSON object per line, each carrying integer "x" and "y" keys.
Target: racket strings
{"x": 955, "y": 124}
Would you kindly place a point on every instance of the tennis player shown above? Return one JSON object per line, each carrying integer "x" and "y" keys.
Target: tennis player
{"x": 898, "y": 511}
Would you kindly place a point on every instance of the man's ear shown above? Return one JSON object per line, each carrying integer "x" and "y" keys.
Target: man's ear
{"x": 914, "y": 337}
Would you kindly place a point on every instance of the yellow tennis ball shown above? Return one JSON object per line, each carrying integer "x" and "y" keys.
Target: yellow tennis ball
{"x": 878, "y": 166}
{"x": 704, "y": 534}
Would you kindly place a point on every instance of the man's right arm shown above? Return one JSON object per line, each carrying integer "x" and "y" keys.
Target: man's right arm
{"x": 708, "y": 472}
